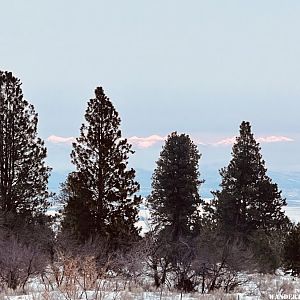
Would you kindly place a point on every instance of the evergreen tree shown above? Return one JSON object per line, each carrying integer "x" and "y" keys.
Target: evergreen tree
{"x": 291, "y": 251}
{"x": 104, "y": 186}
{"x": 248, "y": 200}
{"x": 174, "y": 200}
{"x": 174, "y": 206}
{"x": 23, "y": 173}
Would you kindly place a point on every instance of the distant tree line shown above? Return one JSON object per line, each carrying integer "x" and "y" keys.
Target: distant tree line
{"x": 191, "y": 244}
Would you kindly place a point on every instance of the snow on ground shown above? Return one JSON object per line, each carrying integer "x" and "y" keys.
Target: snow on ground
{"x": 132, "y": 296}
{"x": 258, "y": 287}
{"x": 113, "y": 296}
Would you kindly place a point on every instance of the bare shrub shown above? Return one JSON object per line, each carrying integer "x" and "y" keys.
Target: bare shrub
{"x": 71, "y": 276}
{"x": 130, "y": 265}
{"x": 219, "y": 262}
{"x": 83, "y": 270}
{"x": 182, "y": 261}
{"x": 157, "y": 259}
{"x": 19, "y": 261}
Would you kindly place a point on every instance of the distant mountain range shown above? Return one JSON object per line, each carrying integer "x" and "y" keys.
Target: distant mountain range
{"x": 288, "y": 182}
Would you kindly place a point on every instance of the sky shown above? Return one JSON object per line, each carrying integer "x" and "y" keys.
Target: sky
{"x": 196, "y": 67}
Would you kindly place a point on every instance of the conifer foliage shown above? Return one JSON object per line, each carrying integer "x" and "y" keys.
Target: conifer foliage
{"x": 78, "y": 219}
{"x": 248, "y": 200}
{"x": 291, "y": 250}
{"x": 102, "y": 183}
{"x": 175, "y": 197}
{"x": 23, "y": 173}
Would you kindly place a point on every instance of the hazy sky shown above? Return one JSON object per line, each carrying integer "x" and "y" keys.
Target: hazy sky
{"x": 199, "y": 67}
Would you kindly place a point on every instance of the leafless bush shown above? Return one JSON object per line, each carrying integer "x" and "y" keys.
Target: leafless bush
{"x": 219, "y": 261}
{"x": 19, "y": 261}
{"x": 72, "y": 276}
{"x": 83, "y": 270}
{"x": 171, "y": 262}
{"x": 131, "y": 265}
{"x": 157, "y": 259}
{"x": 208, "y": 263}
{"x": 183, "y": 273}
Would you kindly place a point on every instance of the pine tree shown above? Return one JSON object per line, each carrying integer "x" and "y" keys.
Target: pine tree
{"x": 248, "y": 200}
{"x": 101, "y": 160}
{"x": 23, "y": 173}
{"x": 174, "y": 200}
{"x": 174, "y": 206}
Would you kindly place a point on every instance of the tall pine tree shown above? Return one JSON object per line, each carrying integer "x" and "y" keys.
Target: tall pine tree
{"x": 102, "y": 183}
{"x": 23, "y": 173}
{"x": 174, "y": 200}
{"x": 248, "y": 200}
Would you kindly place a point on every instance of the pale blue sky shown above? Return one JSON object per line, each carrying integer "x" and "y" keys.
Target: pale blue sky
{"x": 199, "y": 67}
